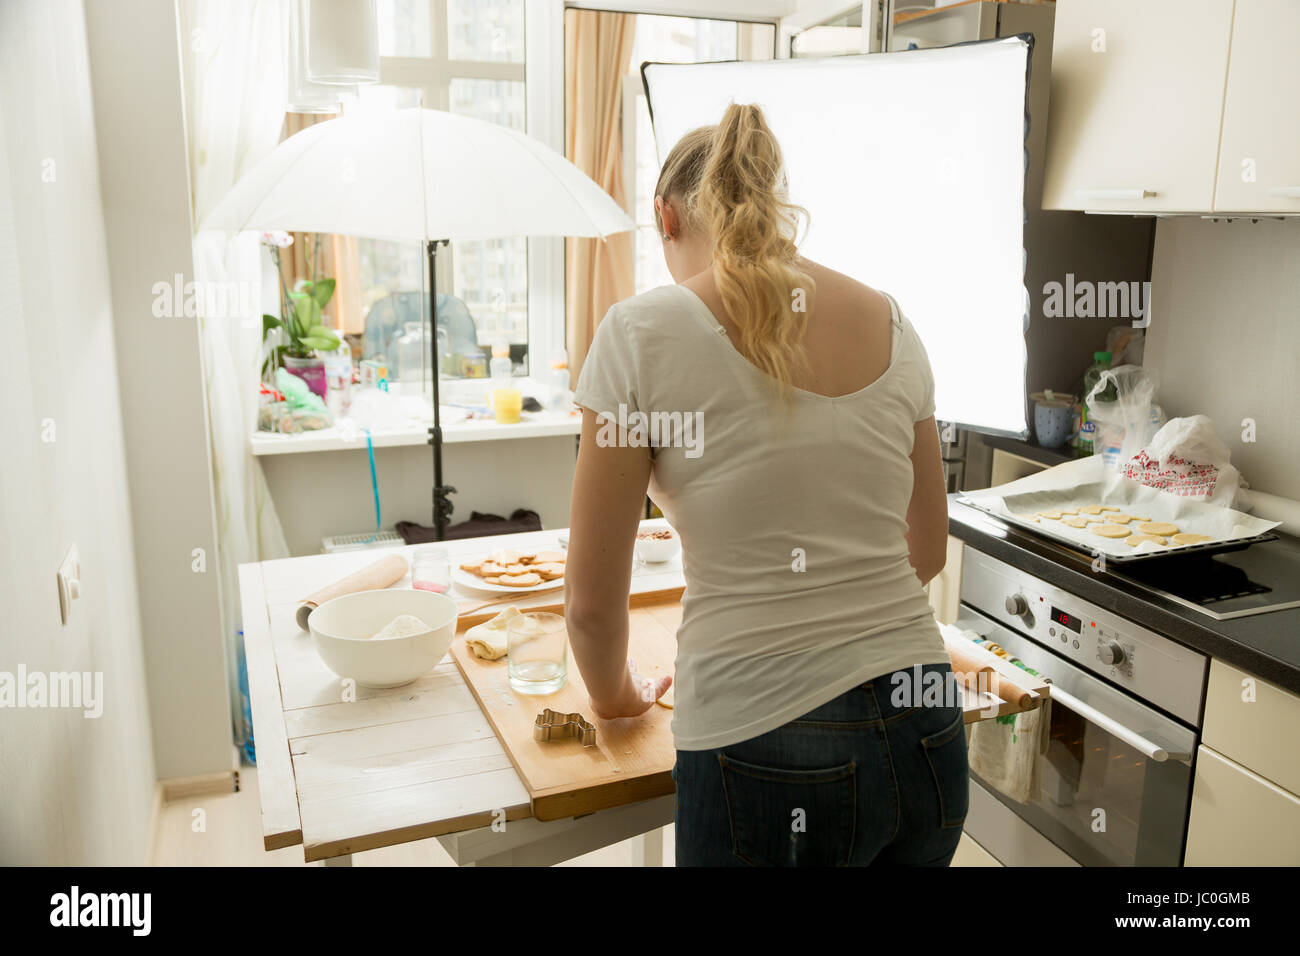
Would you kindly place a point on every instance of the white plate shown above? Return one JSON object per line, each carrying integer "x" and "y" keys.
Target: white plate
{"x": 464, "y": 579}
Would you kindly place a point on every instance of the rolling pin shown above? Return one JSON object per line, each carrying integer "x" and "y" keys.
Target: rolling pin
{"x": 380, "y": 574}
{"x": 966, "y": 662}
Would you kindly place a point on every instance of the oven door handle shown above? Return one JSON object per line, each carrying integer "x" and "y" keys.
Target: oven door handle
{"x": 1132, "y": 738}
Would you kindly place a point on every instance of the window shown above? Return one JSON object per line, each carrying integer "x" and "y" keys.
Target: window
{"x": 671, "y": 40}
{"x": 467, "y": 57}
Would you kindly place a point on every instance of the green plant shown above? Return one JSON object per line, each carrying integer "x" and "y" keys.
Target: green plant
{"x": 304, "y": 328}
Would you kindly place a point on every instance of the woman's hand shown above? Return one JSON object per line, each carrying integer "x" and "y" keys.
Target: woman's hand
{"x": 637, "y": 695}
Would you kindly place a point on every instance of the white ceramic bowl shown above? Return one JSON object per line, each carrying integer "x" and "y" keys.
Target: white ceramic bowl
{"x": 658, "y": 550}
{"x": 342, "y": 629}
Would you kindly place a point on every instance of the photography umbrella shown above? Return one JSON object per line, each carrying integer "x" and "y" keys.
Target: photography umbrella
{"x": 418, "y": 175}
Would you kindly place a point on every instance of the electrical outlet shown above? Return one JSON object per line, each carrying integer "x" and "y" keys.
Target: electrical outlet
{"x": 69, "y": 583}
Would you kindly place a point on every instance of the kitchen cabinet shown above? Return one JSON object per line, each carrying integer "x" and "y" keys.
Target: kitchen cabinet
{"x": 1259, "y": 731}
{"x": 1137, "y": 99}
{"x": 1245, "y": 807}
{"x": 1240, "y": 819}
{"x": 1259, "y": 155}
{"x": 945, "y": 589}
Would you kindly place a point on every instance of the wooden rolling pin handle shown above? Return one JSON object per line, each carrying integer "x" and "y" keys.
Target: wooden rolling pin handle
{"x": 383, "y": 573}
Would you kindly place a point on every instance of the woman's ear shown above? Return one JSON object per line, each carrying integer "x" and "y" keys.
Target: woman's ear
{"x": 667, "y": 218}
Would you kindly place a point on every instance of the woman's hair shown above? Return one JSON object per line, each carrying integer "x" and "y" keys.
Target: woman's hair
{"x": 731, "y": 183}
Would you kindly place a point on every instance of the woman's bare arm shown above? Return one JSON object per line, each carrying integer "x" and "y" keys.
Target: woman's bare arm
{"x": 609, "y": 489}
{"x": 927, "y": 513}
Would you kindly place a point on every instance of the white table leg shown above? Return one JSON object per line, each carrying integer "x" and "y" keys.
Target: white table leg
{"x": 344, "y": 860}
{"x": 648, "y": 849}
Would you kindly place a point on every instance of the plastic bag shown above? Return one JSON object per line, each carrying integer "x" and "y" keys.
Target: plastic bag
{"x": 1187, "y": 458}
{"x": 1125, "y": 425}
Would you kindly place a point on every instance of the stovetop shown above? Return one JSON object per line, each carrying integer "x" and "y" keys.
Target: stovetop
{"x": 1239, "y": 607}
{"x": 1262, "y": 578}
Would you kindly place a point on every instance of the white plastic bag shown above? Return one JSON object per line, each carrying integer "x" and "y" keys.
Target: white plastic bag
{"x": 1187, "y": 458}
{"x": 1125, "y": 425}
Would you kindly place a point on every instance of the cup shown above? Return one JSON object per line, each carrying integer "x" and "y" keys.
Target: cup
{"x": 537, "y": 653}
{"x": 1053, "y": 418}
{"x": 430, "y": 570}
{"x": 507, "y": 405}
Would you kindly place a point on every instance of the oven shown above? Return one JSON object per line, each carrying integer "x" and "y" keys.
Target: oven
{"x": 1113, "y": 781}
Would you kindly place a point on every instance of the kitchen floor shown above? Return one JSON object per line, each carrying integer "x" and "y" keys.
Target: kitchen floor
{"x": 228, "y": 833}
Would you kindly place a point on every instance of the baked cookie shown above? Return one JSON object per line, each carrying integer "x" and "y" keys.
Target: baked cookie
{"x": 1079, "y": 522}
{"x": 1111, "y": 530}
{"x": 490, "y": 567}
{"x": 546, "y": 557}
{"x": 1161, "y": 528}
{"x": 505, "y": 557}
{"x": 1190, "y": 537}
{"x": 527, "y": 580}
{"x": 1091, "y": 509}
{"x": 1054, "y": 515}
{"x": 550, "y": 571}
{"x": 475, "y": 567}
{"x": 1134, "y": 540}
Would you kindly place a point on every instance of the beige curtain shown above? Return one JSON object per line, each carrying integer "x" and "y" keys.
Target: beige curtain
{"x": 338, "y": 256}
{"x": 597, "y": 53}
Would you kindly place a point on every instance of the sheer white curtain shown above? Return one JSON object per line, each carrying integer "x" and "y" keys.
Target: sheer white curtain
{"x": 235, "y": 98}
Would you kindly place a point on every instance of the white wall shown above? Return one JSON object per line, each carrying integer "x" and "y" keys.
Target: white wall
{"x": 76, "y": 791}
{"x": 144, "y": 175}
{"x": 1225, "y": 337}
{"x": 323, "y": 493}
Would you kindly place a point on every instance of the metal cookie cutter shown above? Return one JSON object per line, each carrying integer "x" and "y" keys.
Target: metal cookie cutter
{"x": 552, "y": 725}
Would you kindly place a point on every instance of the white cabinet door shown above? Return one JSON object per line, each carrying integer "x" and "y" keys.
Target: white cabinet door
{"x": 1259, "y": 159}
{"x": 1240, "y": 819}
{"x": 1137, "y": 103}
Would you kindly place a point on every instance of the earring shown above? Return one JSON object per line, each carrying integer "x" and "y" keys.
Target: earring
{"x": 667, "y": 238}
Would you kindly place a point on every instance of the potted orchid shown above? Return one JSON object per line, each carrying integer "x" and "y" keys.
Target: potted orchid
{"x": 301, "y": 331}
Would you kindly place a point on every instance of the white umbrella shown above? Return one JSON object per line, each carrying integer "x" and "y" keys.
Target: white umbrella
{"x": 421, "y": 175}
{"x": 417, "y": 174}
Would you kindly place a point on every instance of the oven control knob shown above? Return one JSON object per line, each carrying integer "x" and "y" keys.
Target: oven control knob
{"x": 1016, "y": 605}
{"x": 1110, "y": 653}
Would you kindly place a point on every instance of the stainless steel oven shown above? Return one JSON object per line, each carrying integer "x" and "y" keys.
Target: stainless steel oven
{"x": 1115, "y": 777}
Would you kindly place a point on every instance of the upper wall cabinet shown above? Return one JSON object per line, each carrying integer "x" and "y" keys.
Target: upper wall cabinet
{"x": 1137, "y": 99}
{"x": 1259, "y": 155}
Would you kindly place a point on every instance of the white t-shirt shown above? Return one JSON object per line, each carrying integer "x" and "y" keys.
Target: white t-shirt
{"x": 792, "y": 518}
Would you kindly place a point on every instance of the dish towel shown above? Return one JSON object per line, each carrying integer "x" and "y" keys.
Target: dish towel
{"x": 1004, "y": 751}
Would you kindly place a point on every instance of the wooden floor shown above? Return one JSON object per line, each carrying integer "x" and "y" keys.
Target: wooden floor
{"x": 225, "y": 830}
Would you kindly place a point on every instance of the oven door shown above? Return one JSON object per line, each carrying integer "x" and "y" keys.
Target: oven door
{"x": 1112, "y": 787}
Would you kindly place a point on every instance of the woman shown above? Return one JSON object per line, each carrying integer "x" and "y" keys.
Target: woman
{"x": 810, "y": 505}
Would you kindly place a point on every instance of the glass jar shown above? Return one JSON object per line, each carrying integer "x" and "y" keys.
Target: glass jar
{"x": 410, "y": 353}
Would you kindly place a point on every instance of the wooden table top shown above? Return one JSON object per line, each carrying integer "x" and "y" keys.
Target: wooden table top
{"x": 395, "y": 764}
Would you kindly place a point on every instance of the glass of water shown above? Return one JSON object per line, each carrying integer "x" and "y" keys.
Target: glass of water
{"x": 537, "y": 646}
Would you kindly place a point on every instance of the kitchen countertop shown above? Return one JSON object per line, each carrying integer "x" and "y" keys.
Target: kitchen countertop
{"x": 1265, "y": 645}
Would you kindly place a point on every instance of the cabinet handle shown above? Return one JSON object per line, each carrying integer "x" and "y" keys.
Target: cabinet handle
{"x": 1285, "y": 192}
{"x": 1115, "y": 193}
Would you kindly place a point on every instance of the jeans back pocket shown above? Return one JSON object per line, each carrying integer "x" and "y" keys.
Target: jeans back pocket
{"x": 783, "y": 817}
{"x": 945, "y": 751}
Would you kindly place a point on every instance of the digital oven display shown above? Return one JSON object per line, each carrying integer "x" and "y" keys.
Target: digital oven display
{"x": 1067, "y": 620}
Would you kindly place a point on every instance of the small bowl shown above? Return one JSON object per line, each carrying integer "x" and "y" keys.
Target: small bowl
{"x": 657, "y": 550}
{"x": 342, "y": 629}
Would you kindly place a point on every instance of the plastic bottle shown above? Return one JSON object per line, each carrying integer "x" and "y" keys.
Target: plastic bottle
{"x": 500, "y": 366}
{"x": 1100, "y": 363}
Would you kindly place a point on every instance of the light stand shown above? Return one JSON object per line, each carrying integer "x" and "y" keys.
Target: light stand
{"x": 442, "y": 506}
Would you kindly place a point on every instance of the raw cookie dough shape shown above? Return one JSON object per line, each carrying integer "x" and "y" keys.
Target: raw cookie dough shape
{"x": 1112, "y": 530}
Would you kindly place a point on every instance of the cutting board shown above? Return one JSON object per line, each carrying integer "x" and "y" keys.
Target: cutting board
{"x": 633, "y": 757}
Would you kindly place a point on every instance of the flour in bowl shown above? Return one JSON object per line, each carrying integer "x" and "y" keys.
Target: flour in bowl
{"x": 404, "y": 625}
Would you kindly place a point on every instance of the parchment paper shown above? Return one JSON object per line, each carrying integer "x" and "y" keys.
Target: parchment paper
{"x": 1087, "y": 482}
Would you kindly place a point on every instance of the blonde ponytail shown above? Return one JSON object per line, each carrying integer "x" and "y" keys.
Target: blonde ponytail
{"x": 732, "y": 180}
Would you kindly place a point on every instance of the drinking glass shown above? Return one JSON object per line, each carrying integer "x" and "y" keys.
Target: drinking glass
{"x": 430, "y": 570}
{"x": 537, "y": 647}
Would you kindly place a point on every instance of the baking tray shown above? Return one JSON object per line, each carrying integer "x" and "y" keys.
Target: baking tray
{"x": 1078, "y": 544}
{"x": 1085, "y": 481}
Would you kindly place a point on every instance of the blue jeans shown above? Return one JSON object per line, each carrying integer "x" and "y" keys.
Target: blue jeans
{"x": 853, "y": 782}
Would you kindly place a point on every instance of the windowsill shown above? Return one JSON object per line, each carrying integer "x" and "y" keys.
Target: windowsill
{"x": 534, "y": 425}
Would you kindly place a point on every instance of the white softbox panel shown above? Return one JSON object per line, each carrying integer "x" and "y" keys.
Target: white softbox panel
{"x": 912, "y": 168}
